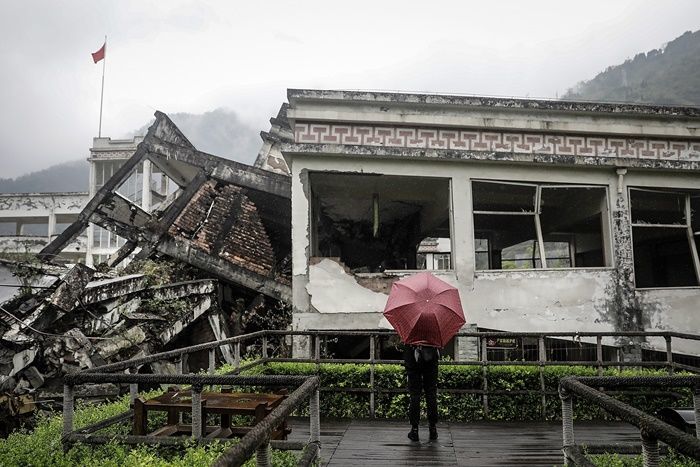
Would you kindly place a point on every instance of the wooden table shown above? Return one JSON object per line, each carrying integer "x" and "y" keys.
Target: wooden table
{"x": 225, "y": 403}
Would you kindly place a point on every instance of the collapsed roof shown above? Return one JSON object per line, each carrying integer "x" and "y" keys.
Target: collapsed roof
{"x": 226, "y": 218}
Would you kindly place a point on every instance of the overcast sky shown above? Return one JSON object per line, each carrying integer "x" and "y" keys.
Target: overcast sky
{"x": 195, "y": 56}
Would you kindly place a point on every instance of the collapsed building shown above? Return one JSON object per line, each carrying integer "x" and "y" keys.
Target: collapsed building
{"x": 213, "y": 250}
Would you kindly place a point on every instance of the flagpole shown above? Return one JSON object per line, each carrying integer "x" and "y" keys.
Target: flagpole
{"x": 102, "y": 93}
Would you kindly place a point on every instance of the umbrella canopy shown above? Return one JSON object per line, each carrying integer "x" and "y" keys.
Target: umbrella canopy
{"x": 424, "y": 310}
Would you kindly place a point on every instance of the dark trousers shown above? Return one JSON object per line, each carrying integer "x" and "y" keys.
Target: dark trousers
{"x": 422, "y": 376}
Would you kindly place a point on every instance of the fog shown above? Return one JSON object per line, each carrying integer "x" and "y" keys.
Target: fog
{"x": 195, "y": 57}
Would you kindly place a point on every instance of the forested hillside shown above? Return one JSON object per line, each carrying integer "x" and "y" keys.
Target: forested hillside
{"x": 68, "y": 176}
{"x": 670, "y": 75}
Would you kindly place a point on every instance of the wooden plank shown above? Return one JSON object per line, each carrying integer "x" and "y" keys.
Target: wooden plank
{"x": 384, "y": 442}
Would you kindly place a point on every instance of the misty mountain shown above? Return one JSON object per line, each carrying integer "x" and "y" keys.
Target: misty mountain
{"x": 219, "y": 132}
{"x": 670, "y": 75}
{"x": 67, "y": 176}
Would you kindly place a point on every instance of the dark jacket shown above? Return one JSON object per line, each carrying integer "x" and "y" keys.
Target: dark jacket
{"x": 415, "y": 355}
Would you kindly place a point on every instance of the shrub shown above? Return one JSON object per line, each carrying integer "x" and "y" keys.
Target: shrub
{"x": 339, "y": 403}
{"x": 42, "y": 446}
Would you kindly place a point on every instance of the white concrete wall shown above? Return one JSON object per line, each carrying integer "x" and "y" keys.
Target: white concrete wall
{"x": 524, "y": 300}
{"x": 17, "y": 205}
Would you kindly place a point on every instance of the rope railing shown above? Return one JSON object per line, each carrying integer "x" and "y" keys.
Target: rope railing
{"x": 256, "y": 440}
{"x": 652, "y": 430}
{"x": 262, "y": 345}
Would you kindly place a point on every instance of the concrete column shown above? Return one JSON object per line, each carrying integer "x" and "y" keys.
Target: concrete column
{"x": 146, "y": 186}
{"x": 467, "y": 347}
{"x": 607, "y": 241}
{"x": 462, "y": 230}
{"x": 52, "y": 224}
{"x": 628, "y": 313}
{"x": 91, "y": 228}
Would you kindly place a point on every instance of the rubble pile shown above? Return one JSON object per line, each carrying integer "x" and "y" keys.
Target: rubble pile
{"x": 225, "y": 232}
{"x": 86, "y": 319}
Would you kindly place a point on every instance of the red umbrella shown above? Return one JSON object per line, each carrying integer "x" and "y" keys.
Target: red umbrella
{"x": 424, "y": 310}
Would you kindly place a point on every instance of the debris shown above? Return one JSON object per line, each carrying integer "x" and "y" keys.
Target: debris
{"x": 219, "y": 243}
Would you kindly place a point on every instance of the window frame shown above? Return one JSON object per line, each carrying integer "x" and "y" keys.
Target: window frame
{"x": 688, "y": 227}
{"x": 539, "y": 239}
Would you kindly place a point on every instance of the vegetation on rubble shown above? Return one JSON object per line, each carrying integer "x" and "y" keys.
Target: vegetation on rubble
{"x": 42, "y": 446}
{"x": 162, "y": 271}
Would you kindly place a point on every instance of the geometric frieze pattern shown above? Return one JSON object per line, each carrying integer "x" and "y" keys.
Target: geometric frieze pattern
{"x": 496, "y": 141}
{"x": 112, "y": 155}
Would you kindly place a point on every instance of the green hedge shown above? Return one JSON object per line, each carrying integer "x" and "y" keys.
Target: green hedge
{"x": 42, "y": 446}
{"x": 463, "y": 407}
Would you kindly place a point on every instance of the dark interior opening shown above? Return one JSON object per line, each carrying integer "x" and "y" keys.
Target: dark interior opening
{"x": 375, "y": 223}
{"x": 663, "y": 237}
{"x": 505, "y": 223}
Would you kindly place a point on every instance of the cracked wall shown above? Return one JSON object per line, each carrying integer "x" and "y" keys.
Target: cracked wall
{"x": 581, "y": 299}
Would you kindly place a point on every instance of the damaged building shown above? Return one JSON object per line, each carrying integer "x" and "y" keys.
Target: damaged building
{"x": 30, "y": 221}
{"x": 546, "y": 215}
{"x": 209, "y": 256}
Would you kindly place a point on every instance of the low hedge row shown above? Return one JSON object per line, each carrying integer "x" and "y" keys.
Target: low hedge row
{"x": 42, "y": 446}
{"x": 465, "y": 407}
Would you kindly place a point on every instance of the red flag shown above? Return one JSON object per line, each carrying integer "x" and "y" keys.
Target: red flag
{"x": 100, "y": 54}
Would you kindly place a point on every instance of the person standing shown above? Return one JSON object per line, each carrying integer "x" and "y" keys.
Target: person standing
{"x": 421, "y": 364}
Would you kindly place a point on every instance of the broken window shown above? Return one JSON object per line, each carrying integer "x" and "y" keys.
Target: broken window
{"x": 482, "y": 253}
{"x": 8, "y": 229}
{"x": 528, "y": 225}
{"x": 374, "y": 223}
{"x": 35, "y": 227}
{"x": 103, "y": 238}
{"x": 441, "y": 261}
{"x": 665, "y": 237}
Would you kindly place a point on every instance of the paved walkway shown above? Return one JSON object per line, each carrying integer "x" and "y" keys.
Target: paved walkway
{"x": 384, "y": 442}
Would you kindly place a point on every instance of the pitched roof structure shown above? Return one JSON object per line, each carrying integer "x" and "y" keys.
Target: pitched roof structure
{"x": 227, "y": 218}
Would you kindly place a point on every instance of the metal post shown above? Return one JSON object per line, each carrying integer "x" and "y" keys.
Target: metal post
{"x": 237, "y": 354}
{"x": 197, "y": 412}
{"x": 264, "y": 346}
{"x": 317, "y": 352}
{"x": 212, "y": 361}
{"x": 599, "y": 354}
{"x": 669, "y": 355}
{"x": 696, "y": 407}
{"x": 650, "y": 451}
{"x": 68, "y": 406}
{"x": 315, "y": 416}
{"x": 620, "y": 358}
{"x": 542, "y": 359}
{"x": 372, "y": 344}
{"x": 310, "y": 342}
{"x": 263, "y": 455}
{"x": 567, "y": 420}
{"x": 133, "y": 392}
{"x": 484, "y": 375}
{"x": 182, "y": 365}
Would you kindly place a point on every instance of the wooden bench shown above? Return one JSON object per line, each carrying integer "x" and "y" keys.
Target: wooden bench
{"x": 225, "y": 403}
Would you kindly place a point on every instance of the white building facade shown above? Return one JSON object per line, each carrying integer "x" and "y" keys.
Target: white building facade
{"x": 560, "y": 216}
